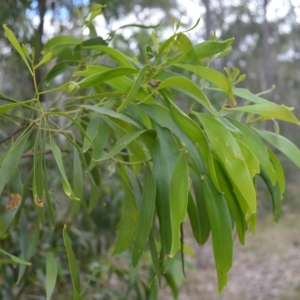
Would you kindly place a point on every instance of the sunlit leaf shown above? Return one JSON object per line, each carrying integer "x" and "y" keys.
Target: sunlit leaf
{"x": 47, "y": 57}
{"x": 186, "y": 86}
{"x": 61, "y": 40}
{"x": 104, "y": 76}
{"x": 114, "y": 53}
{"x": 282, "y": 144}
{"x": 269, "y": 111}
{"x": 213, "y": 76}
{"x": 254, "y": 142}
{"x": 229, "y": 153}
{"x": 13, "y": 40}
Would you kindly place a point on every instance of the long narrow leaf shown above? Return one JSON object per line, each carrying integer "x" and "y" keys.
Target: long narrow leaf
{"x": 74, "y": 270}
{"x": 188, "y": 87}
{"x": 11, "y": 158}
{"x": 146, "y": 216}
{"x": 13, "y": 40}
{"x": 51, "y": 274}
{"x": 220, "y": 222}
{"x": 282, "y": 144}
{"x": 15, "y": 258}
{"x": 165, "y": 155}
{"x": 231, "y": 157}
{"x": 129, "y": 218}
{"x": 122, "y": 143}
{"x": 257, "y": 146}
{"x": 178, "y": 200}
{"x": 135, "y": 87}
{"x": 213, "y": 76}
{"x": 58, "y": 157}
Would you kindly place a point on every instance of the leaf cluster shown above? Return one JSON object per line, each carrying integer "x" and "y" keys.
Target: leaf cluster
{"x": 124, "y": 123}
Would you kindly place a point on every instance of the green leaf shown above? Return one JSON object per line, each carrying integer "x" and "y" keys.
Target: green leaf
{"x": 28, "y": 243}
{"x": 264, "y": 107}
{"x": 51, "y": 274}
{"x": 58, "y": 157}
{"x": 75, "y": 122}
{"x": 61, "y": 40}
{"x": 77, "y": 182}
{"x": 212, "y": 76}
{"x": 185, "y": 44}
{"x": 6, "y": 107}
{"x": 230, "y": 155}
{"x": 233, "y": 203}
{"x": 205, "y": 49}
{"x": 100, "y": 141}
{"x": 13, "y": 40}
{"x": 114, "y": 53}
{"x": 201, "y": 209}
{"x": 12, "y": 157}
{"x": 178, "y": 199}
{"x": 194, "y": 218}
{"x": 3, "y": 97}
{"x": 104, "y": 76}
{"x": 112, "y": 113}
{"x": 38, "y": 164}
{"x": 256, "y": 145}
{"x": 122, "y": 84}
{"x": 135, "y": 87}
{"x": 172, "y": 284}
{"x": 279, "y": 171}
{"x": 16, "y": 259}
{"x": 70, "y": 87}
{"x": 146, "y": 216}
{"x": 251, "y": 160}
{"x": 220, "y": 222}
{"x": 188, "y": 87}
{"x": 122, "y": 143}
{"x": 74, "y": 270}
{"x": 282, "y": 144}
{"x": 59, "y": 68}
{"x": 195, "y": 133}
{"x": 91, "y": 132}
{"x": 269, "y": 111}
{"x": 275, "y": 194}
{"x": 163, "y": 118}
{"x": 96, "y": 41}
{"x": 47, "y": 57}
{"x": 154, "y": 257}
{"x": 165, "y": 155}
{"x": 129, "y": 218}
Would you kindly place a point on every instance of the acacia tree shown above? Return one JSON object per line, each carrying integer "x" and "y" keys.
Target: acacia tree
{"x": 116, "y": 134}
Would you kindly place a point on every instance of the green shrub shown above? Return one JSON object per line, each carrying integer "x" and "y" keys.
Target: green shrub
{"x": 119, "y": 143}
